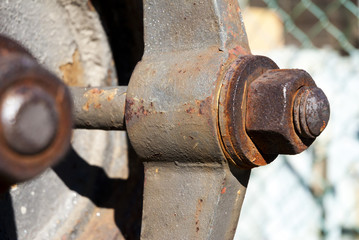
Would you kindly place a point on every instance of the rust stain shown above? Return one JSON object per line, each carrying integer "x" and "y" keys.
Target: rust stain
{"x": 73, "y": 73}
{"x": 86, "y": 107}
{"x": 198, "y": 213}
{"x": 204, "y": 107}
{"x": 235, "y": 52}
{"x": 323, "y": 126}
{"x": 190, "y": 110}
{"x": 90, "y": 6}
{"x": 96, "y": 91}
{"x": 138, "y": 108}
{"x": 111, "y": 95}
{"x": 223, "y": 190}
{"x": 93, "y": 98}
{"x": 128, "y": 110}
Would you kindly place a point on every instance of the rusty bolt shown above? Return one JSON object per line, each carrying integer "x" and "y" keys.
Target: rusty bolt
{"x": 265, "y": 111}
{"x": 311, "y": 112}
{"x": 35, "y": 115}
{"x": 285, "y": 111}
{"x": 29, "y": 119}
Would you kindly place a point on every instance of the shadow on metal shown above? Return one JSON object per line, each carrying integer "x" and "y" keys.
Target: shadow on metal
{"x": 7, "y": 218}
{"x": 123, "y": 24}
{"x": 124, "y": 196}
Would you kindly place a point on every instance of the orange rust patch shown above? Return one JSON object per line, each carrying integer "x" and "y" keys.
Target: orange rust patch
{"x": 86, "y": 107}
{"x": 223, "y": 190}
{"x": 96, "y": 91}
{"x": 235, "y": 52}
{"x": 73, "y": 73}
{"x": 90, "y": 6}
{"x": 111, "y": 95}
{"x": 323, "y": 126}
{"x": 93, "y": 98}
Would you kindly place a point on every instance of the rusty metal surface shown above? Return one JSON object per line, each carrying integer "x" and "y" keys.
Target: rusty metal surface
{"x": 193, "y": 202}
{"x": 269, "y": 119}
{"x": 185, "y": 112}
{"x": 185, "y": 25}
{"x": 238, "y": 145}
{"x": 310, "y": 112}
{"x": 99, "y": 108}
{"x": 191, "y": 112}
{"x": 35, "y": 115}
{"x": 171, "y": 107}
{"x": 68, "y": 38}
{"x": 172, "y": 119}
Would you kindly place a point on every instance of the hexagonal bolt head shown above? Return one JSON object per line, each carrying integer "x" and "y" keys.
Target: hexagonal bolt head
{"x": 29, "y": 119}
{"x": 285, "y": 111}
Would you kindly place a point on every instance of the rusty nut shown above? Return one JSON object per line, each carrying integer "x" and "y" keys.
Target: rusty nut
{"x": 271, "y": 121}
{"x": 35, "y": 115}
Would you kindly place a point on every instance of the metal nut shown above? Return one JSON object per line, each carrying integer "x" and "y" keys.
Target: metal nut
{"x": 237, "y": 144}
{"x": 35, "y": 115}
{"x": 285, "y": 111}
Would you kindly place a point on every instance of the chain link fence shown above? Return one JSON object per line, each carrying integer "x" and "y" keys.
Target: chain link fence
{"x": 314, "y": 195}
{"x": 316, "y": 23}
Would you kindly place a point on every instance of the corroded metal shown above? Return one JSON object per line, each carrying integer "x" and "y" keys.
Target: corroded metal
{"x": 199, "y": 107}
{"x": 191, "y": 116}
{"x": 272, "y": 95}
{"x": 99, "y": 108}
{"x": 311, "y": 112}
{"x": 237, "y": 145}
{"x": 190, "y": 190}
{"x": 274, "y": 113}
{"x": 65, "y": 201}
{"x": 35, "y": 115}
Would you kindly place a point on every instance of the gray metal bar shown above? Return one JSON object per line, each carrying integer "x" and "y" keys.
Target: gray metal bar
{"x": 99, "y": 107}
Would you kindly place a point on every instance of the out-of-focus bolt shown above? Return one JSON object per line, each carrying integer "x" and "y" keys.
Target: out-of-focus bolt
{"x": 35, "y": 115}
{"x": 29, "y": 118}
{"x": 311, "y": 112}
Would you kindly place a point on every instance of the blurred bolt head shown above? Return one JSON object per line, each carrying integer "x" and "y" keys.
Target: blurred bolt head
{"x": 29, "y": 118}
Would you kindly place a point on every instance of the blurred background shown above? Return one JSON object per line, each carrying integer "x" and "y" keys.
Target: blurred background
{"x": 314, "y": 195}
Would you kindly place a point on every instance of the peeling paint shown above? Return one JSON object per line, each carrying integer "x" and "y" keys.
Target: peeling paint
{"x": 73, "y": 72}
